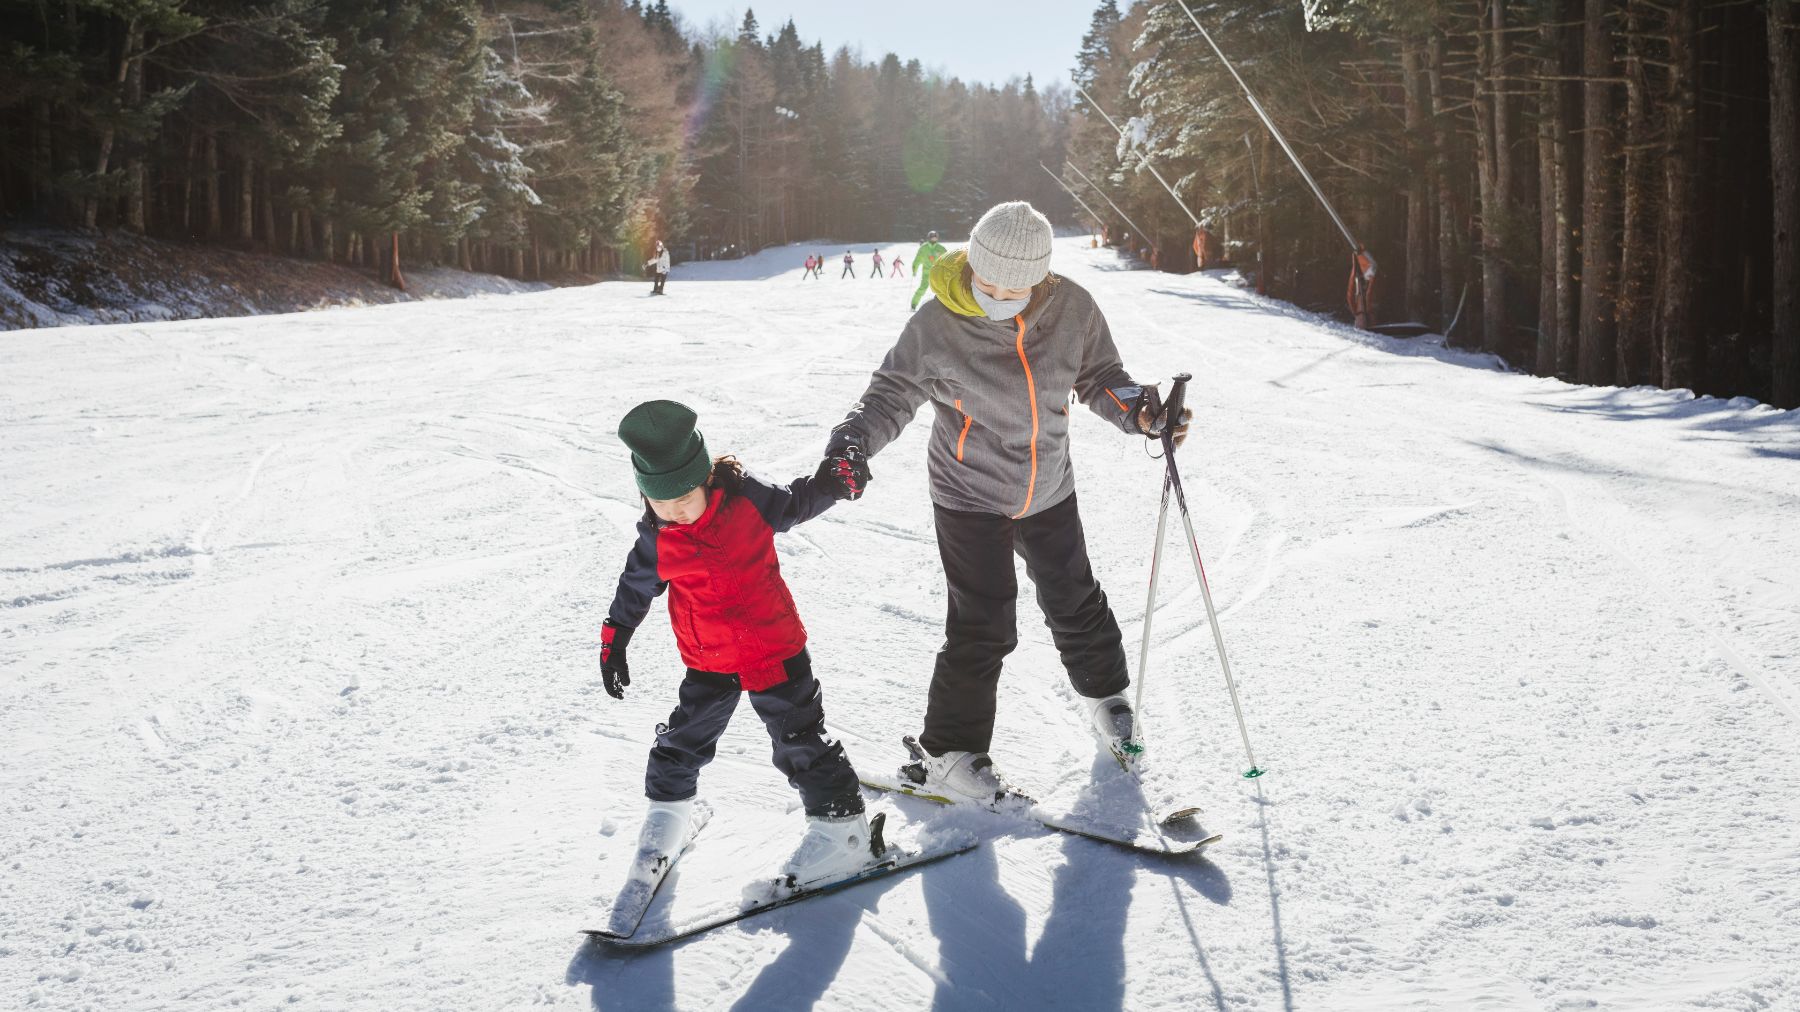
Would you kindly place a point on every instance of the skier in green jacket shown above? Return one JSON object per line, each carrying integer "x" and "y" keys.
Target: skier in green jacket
{"x": 928, "y": 255}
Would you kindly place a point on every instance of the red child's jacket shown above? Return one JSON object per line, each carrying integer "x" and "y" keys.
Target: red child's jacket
{"x": 728, "y": 605}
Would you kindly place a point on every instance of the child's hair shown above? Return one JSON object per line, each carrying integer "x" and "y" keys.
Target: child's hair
{"x": 727, "y": 474}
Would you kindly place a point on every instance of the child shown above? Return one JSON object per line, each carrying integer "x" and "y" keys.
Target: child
{"x": 708, "y": 537}
{"x": 809, "y": 267}
{"x": 877, "y": 272}
{"x": 849, "y": 266}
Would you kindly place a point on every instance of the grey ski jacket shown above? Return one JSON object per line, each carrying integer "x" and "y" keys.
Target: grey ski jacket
{"x": 1000, "y": 394}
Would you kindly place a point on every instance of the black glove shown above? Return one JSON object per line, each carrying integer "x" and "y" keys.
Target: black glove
{"x": 613, "y": 669}
{"x": 1150, "y": 418}
{"x": 845, "y": 473}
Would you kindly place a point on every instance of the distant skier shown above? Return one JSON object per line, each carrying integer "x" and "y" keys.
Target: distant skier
{"x": 896, "y": 267}
{"x": 708, "y": 537}
{"x": 810, "y": 265}
{"x": 1004, "y": 325}
{"x": 923, "y": 262}
{"x": 849, "y": 266}
{"x": 659, "y": 266}
{"x": 876, "y": 273}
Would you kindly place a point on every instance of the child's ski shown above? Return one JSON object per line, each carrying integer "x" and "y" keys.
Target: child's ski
{"x": 648, "y": 871}
{"x": 775, "y": 893}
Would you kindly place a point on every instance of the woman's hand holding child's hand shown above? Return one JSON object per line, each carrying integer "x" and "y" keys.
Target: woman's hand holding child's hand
{"x": 845, "y": 473}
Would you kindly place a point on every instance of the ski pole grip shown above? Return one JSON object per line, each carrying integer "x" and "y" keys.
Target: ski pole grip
{"x": 1171, "y": 409}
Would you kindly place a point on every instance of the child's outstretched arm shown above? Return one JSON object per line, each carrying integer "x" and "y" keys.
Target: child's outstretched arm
{"x": 783, "y": 506}
{"x": 638, "y": 586}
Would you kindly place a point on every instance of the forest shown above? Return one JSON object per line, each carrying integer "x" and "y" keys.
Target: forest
{"x": 529, "y": 139}
{"x": 1603, "y": 191}
{"x": 1599, "y": 190}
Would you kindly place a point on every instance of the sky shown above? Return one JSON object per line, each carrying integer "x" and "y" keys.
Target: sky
{"x": 1008, "y": 38}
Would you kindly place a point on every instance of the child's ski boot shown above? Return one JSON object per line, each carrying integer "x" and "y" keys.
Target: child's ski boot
{"x": 835, "y": 847}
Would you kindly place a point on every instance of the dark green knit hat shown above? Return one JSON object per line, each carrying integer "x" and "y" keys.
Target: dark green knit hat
{"x": 668, "y": 455}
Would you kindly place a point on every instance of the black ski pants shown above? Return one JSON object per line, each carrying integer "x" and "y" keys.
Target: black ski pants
{"x": 794, "y": 713}
{"x": 662, "y": 278}
{"x": 981, "y": 626}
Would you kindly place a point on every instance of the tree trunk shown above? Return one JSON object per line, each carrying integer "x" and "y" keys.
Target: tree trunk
{"x": 1568, "y": 204}
{"x": 1675, "y": 285}
{"x": 246, "y": 215}
{"x": 1599, "y": 257}
{"x": 1490, "y": 109}
{"x": 1544, "y": 359}
{"x": 268, "y": 211}
{"x": 43, "y": 166}
{"x": 328, "y": 239}
{"x": 1784, "y": 125}
{"x": 1637, "y": 268}
{"x": 1449, "y": 273}
{"x": 394, "y": 277}
{"x": 128, "y": 58}
{"x": 1418, "y": 196}
{"x": 215, "y": 201}
{"x": 134, "y": 164}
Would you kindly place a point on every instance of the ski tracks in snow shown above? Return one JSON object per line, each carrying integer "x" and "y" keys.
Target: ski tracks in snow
{"x": 1495, "y": 638}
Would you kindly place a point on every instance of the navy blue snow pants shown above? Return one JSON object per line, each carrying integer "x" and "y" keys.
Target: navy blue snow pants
{"x": 794, "y": 713}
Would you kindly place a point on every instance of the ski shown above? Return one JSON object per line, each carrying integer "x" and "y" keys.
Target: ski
{"x": 776, "y": 893}
{"x": 1175, "y": 831}
{"x": 648, "y": 872}
{"x": 1181, "y": 836}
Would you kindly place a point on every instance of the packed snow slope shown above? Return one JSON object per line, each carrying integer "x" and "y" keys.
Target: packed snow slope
{"x": 300, "y": 704}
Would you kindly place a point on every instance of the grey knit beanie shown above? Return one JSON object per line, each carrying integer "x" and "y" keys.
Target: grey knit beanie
{"x": 1010, "y": 247}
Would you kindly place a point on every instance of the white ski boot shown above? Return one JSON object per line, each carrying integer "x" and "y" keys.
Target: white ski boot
{"x": 963, "y": 776}
{"x": 834, "y": 847}
{"x": 1115, "y": 728}
{"x": 665, "y": 827}
{"x": 664, "y": 836}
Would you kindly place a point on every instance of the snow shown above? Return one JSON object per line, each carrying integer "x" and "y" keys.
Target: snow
{"x": 300, "y": 705}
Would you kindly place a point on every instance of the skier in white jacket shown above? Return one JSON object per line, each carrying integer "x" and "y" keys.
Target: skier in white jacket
{"x": 659, "y": 266}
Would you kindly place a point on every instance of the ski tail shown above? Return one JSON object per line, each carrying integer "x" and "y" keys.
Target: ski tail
{"x": 645, "y": 879}
{"x": 899, "y": 860}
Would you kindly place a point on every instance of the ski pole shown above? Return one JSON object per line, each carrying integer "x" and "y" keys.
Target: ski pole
{"x": 1171, "y": 415}
{"x": 1162, "y": 523}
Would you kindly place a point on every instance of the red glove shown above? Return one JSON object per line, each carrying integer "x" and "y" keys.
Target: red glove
{"x": 613, "y": 670}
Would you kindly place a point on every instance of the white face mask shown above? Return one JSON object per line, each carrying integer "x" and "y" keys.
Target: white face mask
{"x": 999, "y": 310}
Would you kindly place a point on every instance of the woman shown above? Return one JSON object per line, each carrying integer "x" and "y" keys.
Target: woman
{"x": 996, "y": 355}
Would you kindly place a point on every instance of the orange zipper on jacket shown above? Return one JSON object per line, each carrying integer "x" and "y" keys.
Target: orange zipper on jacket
{"x": 1031, "y": 391}
{"x": 967, "y": 421}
